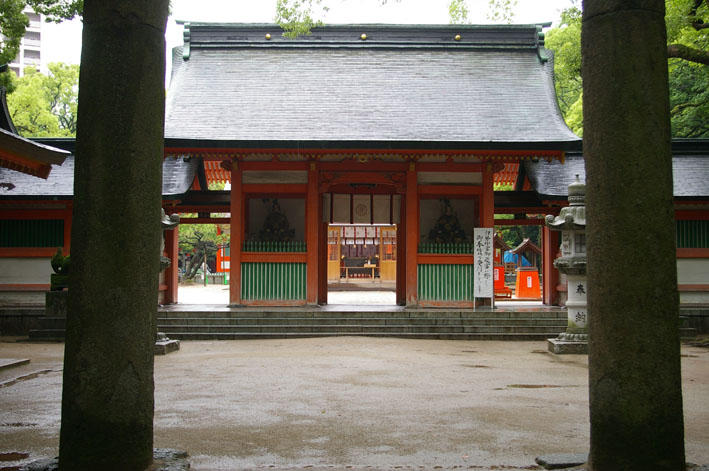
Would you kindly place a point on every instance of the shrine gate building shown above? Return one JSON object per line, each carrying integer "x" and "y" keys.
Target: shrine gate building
{"x": 401, "y": 128}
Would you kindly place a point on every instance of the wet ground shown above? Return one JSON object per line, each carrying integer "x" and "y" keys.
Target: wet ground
{"x": 354, "y": 401}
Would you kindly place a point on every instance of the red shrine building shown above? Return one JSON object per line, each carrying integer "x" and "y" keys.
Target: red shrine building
{"x": 357, "y": 151}
{"x": 354, "y": 137}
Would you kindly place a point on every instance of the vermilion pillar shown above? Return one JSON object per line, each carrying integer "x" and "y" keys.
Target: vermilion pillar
{"x": 172, "y": 242}
{"x": 312, "y": 231}
{"x": 322, "y": 271}
{"x": 67, "y": 231}
{"x": 412, "y": 237}
{"x": 550, "y": 275}
{"x": 235, "y": 235}
{"x": 401, "y": 256}
{"x": 487, "y": 218}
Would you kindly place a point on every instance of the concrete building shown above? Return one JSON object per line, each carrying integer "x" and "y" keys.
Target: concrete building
{"x": 31, "y": 46}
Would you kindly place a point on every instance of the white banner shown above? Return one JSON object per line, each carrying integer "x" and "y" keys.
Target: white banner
{"x": 483, "y": 252}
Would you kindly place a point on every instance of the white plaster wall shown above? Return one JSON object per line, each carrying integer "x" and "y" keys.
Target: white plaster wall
{"x": 693, "y": 271}
{"x": 25, "y": 270}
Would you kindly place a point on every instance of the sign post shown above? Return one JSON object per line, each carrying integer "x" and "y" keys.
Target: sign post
{"x": 483, "y": 252}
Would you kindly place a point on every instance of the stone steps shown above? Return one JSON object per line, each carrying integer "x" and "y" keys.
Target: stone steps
{"x": 249, "y": 323}
{"x": 171, "y": 322}
{"x": 406, "y": 323}
{"x": 219, "y": 322}
{"x": 439, "y": 336}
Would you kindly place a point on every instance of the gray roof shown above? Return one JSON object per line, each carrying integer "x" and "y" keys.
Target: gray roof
{"x": 178, "y": 175}
{"x": 690, "y": 172}
{"x": 403, "y": 85}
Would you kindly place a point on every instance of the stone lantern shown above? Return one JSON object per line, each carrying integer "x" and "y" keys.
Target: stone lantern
{"x": 571, "y": 221}
{"x": 163, "y": 344}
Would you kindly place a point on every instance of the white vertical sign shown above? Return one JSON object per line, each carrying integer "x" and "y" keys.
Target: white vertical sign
{"x": 483, "y": 252}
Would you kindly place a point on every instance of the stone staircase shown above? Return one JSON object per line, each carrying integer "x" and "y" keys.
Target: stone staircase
{"x": 407, "y": 323}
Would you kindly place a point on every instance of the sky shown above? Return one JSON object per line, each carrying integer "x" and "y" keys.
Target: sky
{"x": 62, "y": 42}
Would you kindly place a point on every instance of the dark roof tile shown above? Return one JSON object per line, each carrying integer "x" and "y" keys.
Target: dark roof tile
{"x": 690, "y": 173}
{"x": 233, "y": 91}
{"x": 178, "y": 176}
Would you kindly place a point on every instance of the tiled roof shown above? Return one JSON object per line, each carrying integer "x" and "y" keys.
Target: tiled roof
{"x": 178, "y": 176}
{"x": 690, "y": 172}
{"x": 24, "y": 155}
{"x": 414, "y": 86}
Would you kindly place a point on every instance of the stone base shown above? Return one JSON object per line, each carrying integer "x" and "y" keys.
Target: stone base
{"x": 164, "y": 460}
{"x": 55, "y": 303}
{"x": 561, "y": 460}
{"x": 164, "y": 345}
{"x": 561, "y": 347}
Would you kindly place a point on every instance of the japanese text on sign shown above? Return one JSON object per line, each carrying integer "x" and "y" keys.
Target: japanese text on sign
{"x": 483, "y": 250}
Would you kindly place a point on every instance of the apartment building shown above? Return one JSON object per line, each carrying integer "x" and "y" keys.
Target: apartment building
{"x": 30, "y": 49}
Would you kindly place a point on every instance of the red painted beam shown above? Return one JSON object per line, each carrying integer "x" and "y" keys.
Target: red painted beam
{"x": 445, "y": 259}
{"x": 692, "y": 253}
{"x": 434, "y": 191}
{"x": 689, "y": 215}
{"x": 273, "y": 257}
{"x": 27, "y": 252}
{"x": 271, "y": 189}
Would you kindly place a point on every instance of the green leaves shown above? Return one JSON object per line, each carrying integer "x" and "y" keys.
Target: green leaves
{"x": 46, "y": 105}
{"x": 57, "y": 10}
{"x": 458, "y": 12}
{"x": 565, "y": 41}
{"x": 501, "y": 11}
{"x": 296, "y": 16}
{"x": 12, "y": 27}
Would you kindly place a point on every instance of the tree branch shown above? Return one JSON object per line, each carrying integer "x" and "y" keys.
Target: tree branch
{"x": 690, "y": 54}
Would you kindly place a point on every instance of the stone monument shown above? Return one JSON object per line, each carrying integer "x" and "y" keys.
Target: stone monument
{"x": 571, "y": 221}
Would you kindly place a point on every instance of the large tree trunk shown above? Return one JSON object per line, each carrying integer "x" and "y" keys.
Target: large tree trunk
{"x": 195, "y": 264}
{"x": 107, "y": 400}
{"x": 634, "y": 366}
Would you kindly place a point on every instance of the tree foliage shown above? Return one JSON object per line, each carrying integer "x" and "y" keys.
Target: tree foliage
{"x": 565, "y": 41}
{"x": 458, "y": 12}
{"x": 296, "y": 17}
{"x": 57, "y": 11}
{"x": 46, "y": 105}
{"x": 501, "y": 11}
{"x": 14, "y": 23}
{"x": 688, "y": 53}
{"x": 201, "y": 242}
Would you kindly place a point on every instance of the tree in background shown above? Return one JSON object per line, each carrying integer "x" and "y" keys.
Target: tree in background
{"x": 499, "y": 11}
{"x": 565, "y": 41}
{"x": 688, "y": 52}
{"x": 201, "y": 241}
{"x": 14, "y": 23}
{"x": 45, "y": 105}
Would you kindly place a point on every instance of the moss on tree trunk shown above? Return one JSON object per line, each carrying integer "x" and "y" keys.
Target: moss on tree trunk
{"x": 107, "y": 400}
{"x": 634, "y": 367}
